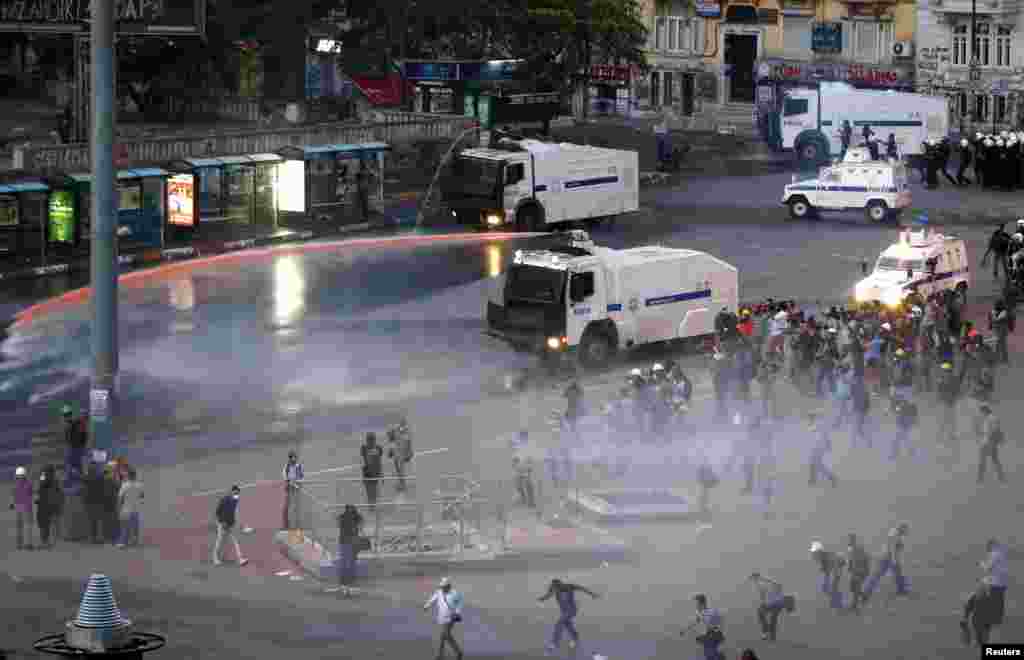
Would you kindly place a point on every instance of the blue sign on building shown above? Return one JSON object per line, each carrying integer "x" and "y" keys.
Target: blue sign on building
{"x": 827, "y": 38}
{"x": 440, "y": 71}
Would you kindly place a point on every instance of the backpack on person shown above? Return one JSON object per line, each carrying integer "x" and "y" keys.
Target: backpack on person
{"x": 222, "y": 509}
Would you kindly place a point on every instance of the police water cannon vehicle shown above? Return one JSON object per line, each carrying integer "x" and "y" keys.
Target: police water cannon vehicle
{"x": 592, "y": 300}
{"x": 811, "y": 120}
{"x": 921, "y": 261}
{"x": 531, "y": 185}
{"x": 881, "y": 189}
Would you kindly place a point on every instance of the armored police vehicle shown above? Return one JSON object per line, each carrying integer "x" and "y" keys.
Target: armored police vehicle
{"x": 812, "y": 119}
{"x": 532, "y": 185}
{"x": 596, "y": 300}
{"x": 880, "y": 189}
{"x": 920, "y": 261}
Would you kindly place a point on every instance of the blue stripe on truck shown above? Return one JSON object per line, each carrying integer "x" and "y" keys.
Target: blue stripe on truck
{"x": 678, "y": 297}
{"x": 597, "y": 181}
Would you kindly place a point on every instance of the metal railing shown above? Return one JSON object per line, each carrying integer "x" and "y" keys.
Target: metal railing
{"x": 454, "y": 519}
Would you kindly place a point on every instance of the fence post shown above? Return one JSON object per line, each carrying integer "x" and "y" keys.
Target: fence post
{"x": 376, "y": 531}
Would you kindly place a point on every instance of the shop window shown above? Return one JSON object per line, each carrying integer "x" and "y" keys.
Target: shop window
{"x": 960, "y": 55}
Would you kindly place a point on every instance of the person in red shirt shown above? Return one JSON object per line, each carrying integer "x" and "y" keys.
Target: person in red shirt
{"x": 746, "y": 324}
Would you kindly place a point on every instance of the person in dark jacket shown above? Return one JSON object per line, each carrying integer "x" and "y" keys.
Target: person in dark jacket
{"x": 373, "y": 466}
{"x": 76, "y": 438}
{"x": 943, "y": 151}
{"x": 111, "y": 505}
{"x": 95, "y": 492}
{"x": 565, "y": 595}
{"x": 350, "y": 524}
{"x": 891, "y": 150}
{"x": 964, "y": 163}
{"x": 227, "y": 517}
{"x": 845, "y": 137}
{"x": 49, "y": 504}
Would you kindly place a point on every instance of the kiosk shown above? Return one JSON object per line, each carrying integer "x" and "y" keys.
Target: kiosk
{"x": 331, "y": 183}
{"x": 140, "y": 215}
{"x": 23, "y": 231}
{"x": 236, "y": 189}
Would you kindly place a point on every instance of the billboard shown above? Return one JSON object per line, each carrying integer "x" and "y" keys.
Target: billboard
{"x": 181, "y": 195}
{"x": 132, "y": 16}
{"x": 61, "y": 219}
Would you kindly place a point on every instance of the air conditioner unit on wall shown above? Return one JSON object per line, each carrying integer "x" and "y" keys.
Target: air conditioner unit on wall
{"x": 902, "y": 49}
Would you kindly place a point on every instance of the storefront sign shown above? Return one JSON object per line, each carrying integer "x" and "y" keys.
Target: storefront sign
{"x": 855, "y": 74}
{"x": 62, "y": 217}
{"x": 181, "y": 210}
{"x": 609, "y": 73}
{"x": 827, "y": 37}
{"x": 8, "y": 211}
{"x": 709, "y": 8}
{"x": 868, "y": 9}
{"x": 491, "y": 70}
{"x": 132, "y": 16}
{"x": 442, "y": 71}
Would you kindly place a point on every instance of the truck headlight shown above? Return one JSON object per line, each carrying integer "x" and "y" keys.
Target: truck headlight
{"x": 493, "y": 219}
{"x": 892, "y": 297}
{"x": 554, "y": 343}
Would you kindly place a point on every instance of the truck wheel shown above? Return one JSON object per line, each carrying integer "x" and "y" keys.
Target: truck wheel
{"x": 800, "y": 208}
{"x": 877, "y": 211}
{"x": 595, "y": 350}
{"x": 528, "y": 219}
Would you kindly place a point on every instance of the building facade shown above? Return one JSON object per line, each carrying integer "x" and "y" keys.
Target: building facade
{"x": 737, "y": 53}
{"x": 992, "y": 101}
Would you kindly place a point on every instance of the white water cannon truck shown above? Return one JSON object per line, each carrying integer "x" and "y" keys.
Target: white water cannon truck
{"x": 811, "y": 120}
{"x": 596, "y": 300}
{"x": 532, "y": 185}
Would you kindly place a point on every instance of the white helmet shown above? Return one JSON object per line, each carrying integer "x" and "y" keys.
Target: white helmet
{"x": 1018, "y": 237}
{"x": 817, "y": 547}
{"x": 999, "y": 142}
{"x": 963, "y": 143}
{"x": 637, "y": 373}
{"x": 658, "y": 366}
{"x": 20, "y": 471}
{"x": 1020, "y": 222}
{"x": 988, "y": 142}
{"x": 978, "y": 136}
{"x": 1003, "y": 134}
{"x": 1020, "y": 136}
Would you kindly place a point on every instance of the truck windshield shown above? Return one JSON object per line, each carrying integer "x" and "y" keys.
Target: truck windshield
{"x": 892, "y": 263}
{"x": 794, "y": 107}
{"x": 535, "y": 284}
{"x": 477, "y": 176}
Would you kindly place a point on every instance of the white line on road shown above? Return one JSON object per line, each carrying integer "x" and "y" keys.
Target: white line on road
{"x": 343, "y": 468}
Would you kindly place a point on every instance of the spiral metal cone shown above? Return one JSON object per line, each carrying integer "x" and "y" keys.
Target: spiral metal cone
{"x": 98, "y": 608}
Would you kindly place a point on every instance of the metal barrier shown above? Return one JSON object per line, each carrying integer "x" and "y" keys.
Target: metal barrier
{"x": 454, "y": 520}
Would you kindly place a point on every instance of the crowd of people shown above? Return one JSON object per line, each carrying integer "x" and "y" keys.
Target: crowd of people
{"x": 99, "y": 502}
{"x": 868, "y": 369}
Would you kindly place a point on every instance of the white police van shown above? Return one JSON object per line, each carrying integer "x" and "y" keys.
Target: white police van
{"x": 920, "y": 261}
{"x": 880, "y": 188}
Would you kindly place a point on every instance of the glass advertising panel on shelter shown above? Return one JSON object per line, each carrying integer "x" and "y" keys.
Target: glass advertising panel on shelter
{"x": 62, "y": 217}
{"x": 211, "y": 193}
{"x": 181, "y": 210}
{"x": 264, "y": 209}
{"x": 291, "y": 184}
{"x": 129, "y": 196}
{"x": 9, "y": 216}
{"x": 238, "y": 181}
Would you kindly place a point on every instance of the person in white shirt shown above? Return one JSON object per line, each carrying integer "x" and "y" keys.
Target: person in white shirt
{"x": 131, "y": 497}
{"x": 447, "y": 604}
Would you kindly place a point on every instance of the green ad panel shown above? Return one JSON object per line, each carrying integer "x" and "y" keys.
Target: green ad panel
{"x": 62, "y": 217}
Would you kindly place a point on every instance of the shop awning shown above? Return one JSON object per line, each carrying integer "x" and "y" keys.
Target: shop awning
{"x": 386, "y": 91}
{"x": 27, "y": 186}
{"x": 138, "y": 173}
{"x": 302, "y": 153}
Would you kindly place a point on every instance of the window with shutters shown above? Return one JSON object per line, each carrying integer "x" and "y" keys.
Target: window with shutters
{"x": 983, "y": 43}
{"x": 885, "y": 40}
{"x": 699, "y": 26}
{"x": 999, "y": 108}
{"x": 961, "y": 104}
{"x": 1004, "y": 35}
{"x": 661, "y": 33}
{"x": 865, "y": 35}
{"x": 960, "y": 55}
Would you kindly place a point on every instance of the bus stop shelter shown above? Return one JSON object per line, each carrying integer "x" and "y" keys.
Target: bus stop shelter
{"x": 23, "y": 231}
{"x": 141, "y": 210}
{"x": 331, "y": 183}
